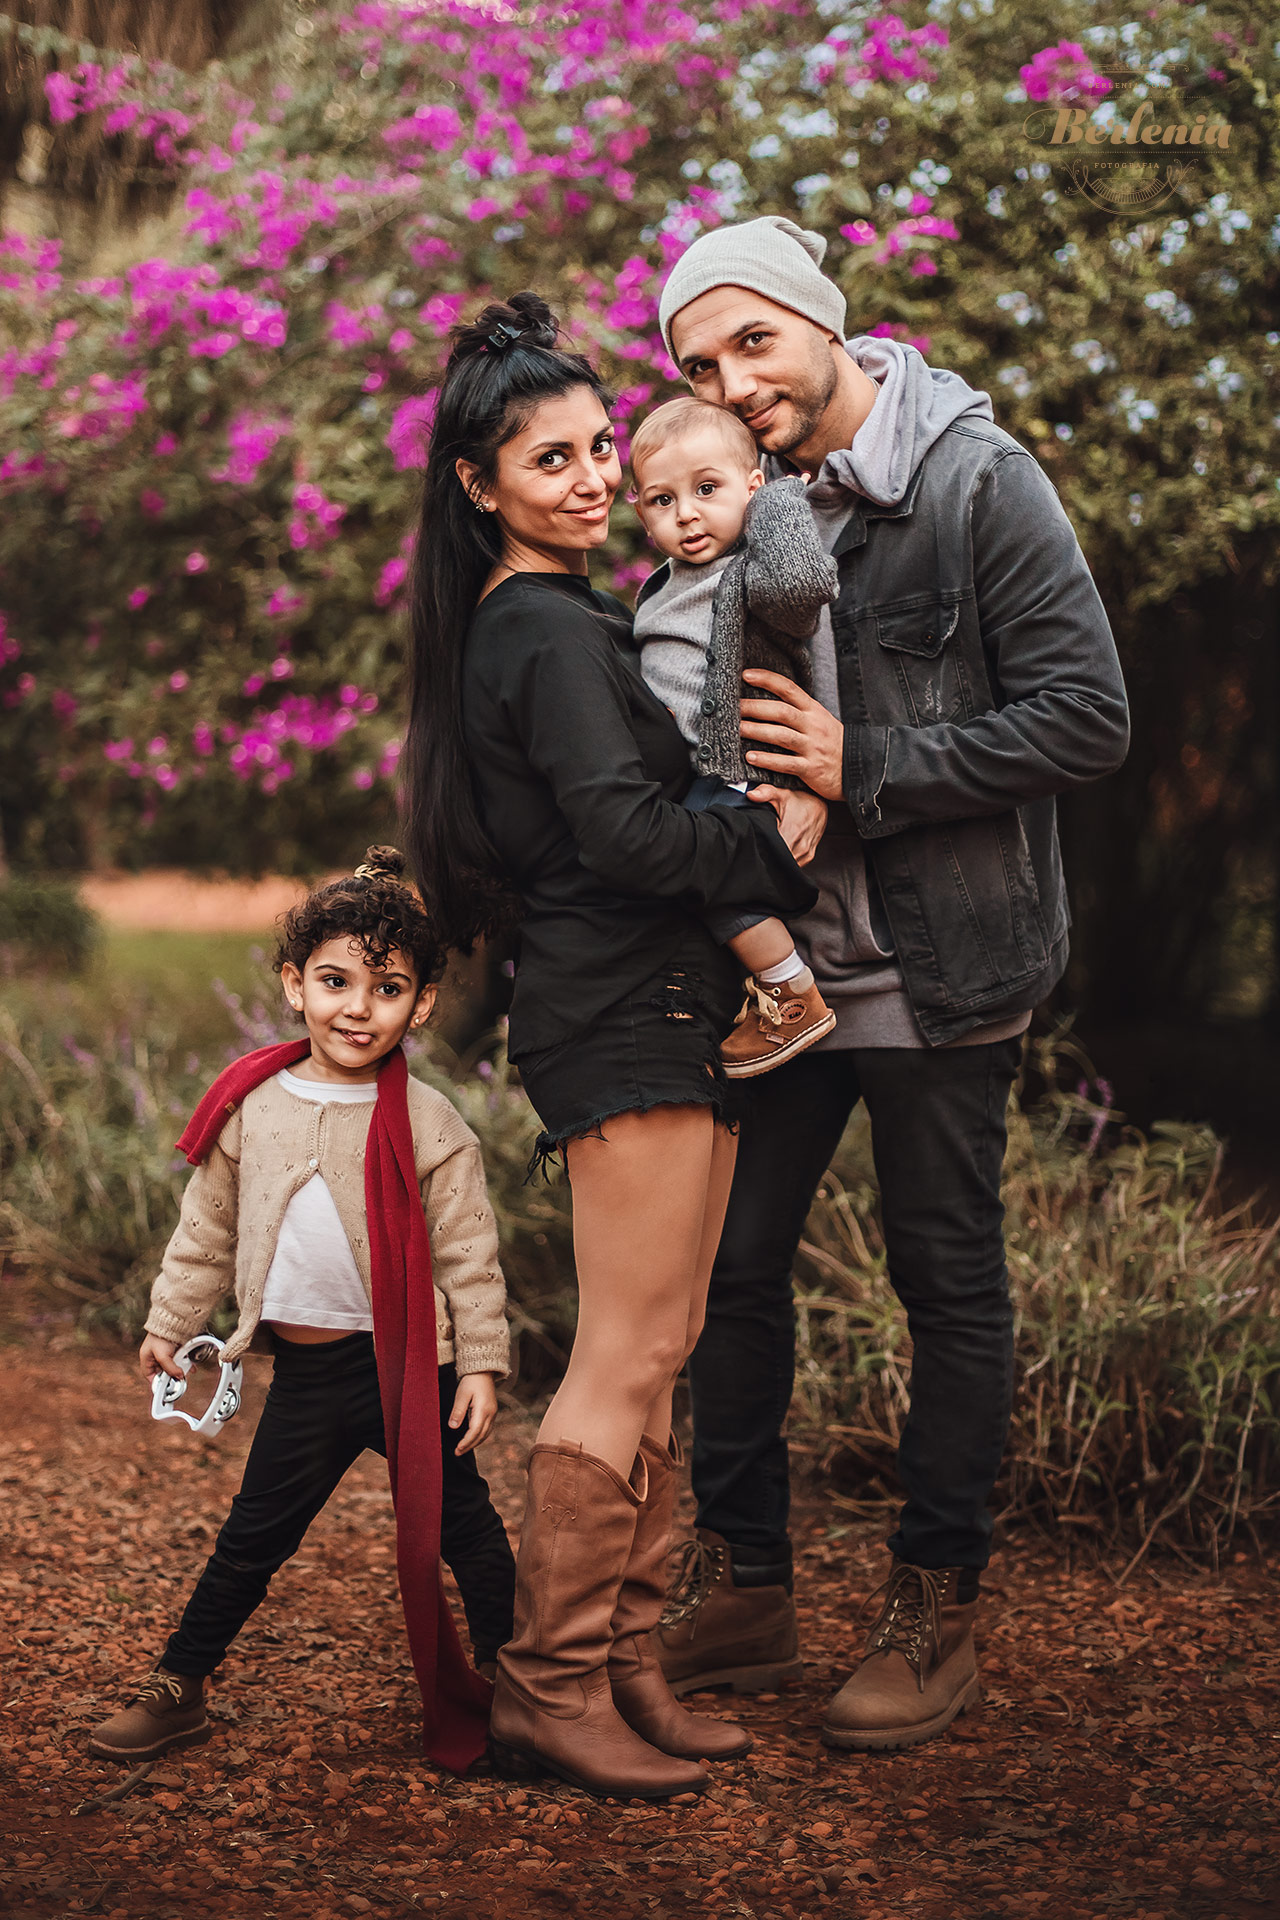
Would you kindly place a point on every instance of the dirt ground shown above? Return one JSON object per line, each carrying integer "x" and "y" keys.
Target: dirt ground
{"x": 170, "y": 900}
{"x": 1124, "y": 1761}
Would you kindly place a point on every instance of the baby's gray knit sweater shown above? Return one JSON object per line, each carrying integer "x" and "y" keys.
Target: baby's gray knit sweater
{"x": 756, "y": 606}
{"x": 674, "y": 628}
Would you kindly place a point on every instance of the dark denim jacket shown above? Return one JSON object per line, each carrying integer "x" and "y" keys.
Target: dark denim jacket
{"x": 978, "y": 677}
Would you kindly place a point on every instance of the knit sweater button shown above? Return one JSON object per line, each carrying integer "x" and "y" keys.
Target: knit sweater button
{"x": 313, "y": 1162}
{"x": 708, "y": 706}
{"x": 704, "y": 753}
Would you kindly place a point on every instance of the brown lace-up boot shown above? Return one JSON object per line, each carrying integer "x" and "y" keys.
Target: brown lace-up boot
{"x": 775, "y": 1024}
{"x": 918, "y": 1669}
{"x": 553, "y": 1709}
{"x": 166, "y": 1712}
{"x": 725, "y": 1626}
{"x": 640, "y": 1690}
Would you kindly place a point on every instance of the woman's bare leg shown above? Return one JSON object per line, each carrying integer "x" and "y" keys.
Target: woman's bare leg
{"x": 640, "y": 1225}
{"x": 724, "y": 1154}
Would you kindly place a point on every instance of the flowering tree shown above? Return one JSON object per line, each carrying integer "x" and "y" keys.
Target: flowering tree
{"x": 209, "y": 460}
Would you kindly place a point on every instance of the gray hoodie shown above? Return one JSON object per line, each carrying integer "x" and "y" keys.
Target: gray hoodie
{"x": 848, "y": 946}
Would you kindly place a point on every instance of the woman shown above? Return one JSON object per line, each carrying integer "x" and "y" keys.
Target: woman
{"x": 543, "y": 776}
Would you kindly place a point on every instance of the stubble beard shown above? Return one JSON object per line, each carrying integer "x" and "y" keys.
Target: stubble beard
{"x": 808, "y": 399}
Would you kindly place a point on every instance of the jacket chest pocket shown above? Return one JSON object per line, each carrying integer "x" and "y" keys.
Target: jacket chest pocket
{"x": 921, "y": 676}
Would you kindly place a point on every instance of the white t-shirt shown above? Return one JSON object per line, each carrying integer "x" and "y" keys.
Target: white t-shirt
{"x": 313, "y": 1280}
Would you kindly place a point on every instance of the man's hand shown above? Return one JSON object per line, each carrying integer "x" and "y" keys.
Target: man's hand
{"x": 475, "y": 1406}
{"x": 802, "y": 818}
{"x": 156, "y": 1356}
{"x": 809, "y": 741}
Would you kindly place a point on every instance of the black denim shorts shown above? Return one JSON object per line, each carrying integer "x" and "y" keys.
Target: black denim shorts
{"x": 658, "y": 1045}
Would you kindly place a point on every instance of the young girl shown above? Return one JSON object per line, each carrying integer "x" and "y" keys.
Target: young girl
{"x": 334, "y": 1194}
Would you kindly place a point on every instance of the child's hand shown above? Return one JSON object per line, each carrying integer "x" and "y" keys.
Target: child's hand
{"x": 475, "y": 1407}
{"x": 156, "y": 1356}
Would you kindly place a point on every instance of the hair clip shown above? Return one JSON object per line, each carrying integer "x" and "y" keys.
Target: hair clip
{"x": 504, "y": 335}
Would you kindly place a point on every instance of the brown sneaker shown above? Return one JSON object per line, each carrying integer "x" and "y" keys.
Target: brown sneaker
{"x": 775, "y": 1024}
{"x": 167, "y": 1711}
{"x": 918, "y": 1669}
{"x": 716, "y": 1633}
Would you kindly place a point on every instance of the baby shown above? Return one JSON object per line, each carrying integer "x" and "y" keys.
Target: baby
{"x": 743, "y": 585}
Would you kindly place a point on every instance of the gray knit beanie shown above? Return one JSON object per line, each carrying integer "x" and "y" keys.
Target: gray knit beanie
{"x": 772, "y": 256}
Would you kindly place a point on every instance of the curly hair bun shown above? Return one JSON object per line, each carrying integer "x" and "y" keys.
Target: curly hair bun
{"x": 381, "y": 863}
{"x": 523, "y": 321}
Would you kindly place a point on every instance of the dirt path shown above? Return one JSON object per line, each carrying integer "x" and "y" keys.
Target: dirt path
{"x": 1124, "y": 1762}
{"x": 170, "y": 900}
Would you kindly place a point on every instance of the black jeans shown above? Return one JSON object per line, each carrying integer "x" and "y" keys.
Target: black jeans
{"x": 722, "y": 923}
{"x": 321, "y": 1412}
{"x": 938, "y": 1137}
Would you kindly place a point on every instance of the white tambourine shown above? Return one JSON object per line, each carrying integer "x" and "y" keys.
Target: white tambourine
{"x": 165, "y": 1390}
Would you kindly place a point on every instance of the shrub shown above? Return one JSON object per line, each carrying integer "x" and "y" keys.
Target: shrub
{"x": 45, "y": 923}
{"x": 215, "y": 450}
{"x": 1148, "y": 1337}
{"x": 1147, "y": 1341}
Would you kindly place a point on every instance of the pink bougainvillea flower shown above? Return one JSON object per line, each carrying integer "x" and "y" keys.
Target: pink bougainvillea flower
{"x": 390, "y": 581}
{"x": 63, "y": 96}
{"x": 196, "y": 562}
{"x": 1063, "y": 72}
{"x": 284, "y": 601}
{"x": 139, "y": 597}
{"x": 411, "y": 430}
{"x": 179, "y": 682}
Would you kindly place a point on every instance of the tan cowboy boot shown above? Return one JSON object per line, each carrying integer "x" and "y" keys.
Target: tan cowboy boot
{"x": 918, "y": 1669}
{"x": 167, "y": 1712}
{"x": 553, "y": 1710}
{"x": 640, "y": 1690}
{"x": 719, "y": 1631}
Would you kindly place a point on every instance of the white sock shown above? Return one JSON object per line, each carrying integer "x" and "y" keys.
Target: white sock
{"x": 785, "y": 970}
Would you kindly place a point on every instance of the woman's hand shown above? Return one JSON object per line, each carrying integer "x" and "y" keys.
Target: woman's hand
{"x": 808, "y": 739}
{"x": 475, "y": 1406}
{"x": 156, "y": 1356}
{"x": 802, "y": 818}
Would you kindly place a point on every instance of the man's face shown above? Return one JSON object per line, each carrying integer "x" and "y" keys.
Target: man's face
{"x": 774, "y": 368}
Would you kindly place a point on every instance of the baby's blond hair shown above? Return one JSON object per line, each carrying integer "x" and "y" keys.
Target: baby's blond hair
{"x": 677, "y": 419}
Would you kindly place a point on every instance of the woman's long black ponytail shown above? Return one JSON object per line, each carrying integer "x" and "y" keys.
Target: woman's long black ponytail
{"x": 502, "y": 365}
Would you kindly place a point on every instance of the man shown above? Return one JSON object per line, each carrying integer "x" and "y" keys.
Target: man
{"x": 965, "y": 675}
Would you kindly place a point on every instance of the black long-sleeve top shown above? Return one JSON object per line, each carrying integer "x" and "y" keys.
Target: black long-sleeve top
{"x": 578, "y": 769}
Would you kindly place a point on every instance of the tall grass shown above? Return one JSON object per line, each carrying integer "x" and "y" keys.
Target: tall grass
{"x": 1148, "y": 1337}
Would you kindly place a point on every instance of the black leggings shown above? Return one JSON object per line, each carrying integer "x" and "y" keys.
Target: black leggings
{"x": 323, "y": 1409}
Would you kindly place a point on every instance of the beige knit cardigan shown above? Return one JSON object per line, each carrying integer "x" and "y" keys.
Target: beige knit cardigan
{"x": 270, "y": 1147}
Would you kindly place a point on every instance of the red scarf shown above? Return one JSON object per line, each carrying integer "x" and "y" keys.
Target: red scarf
{"x": 455, "y": 1698}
